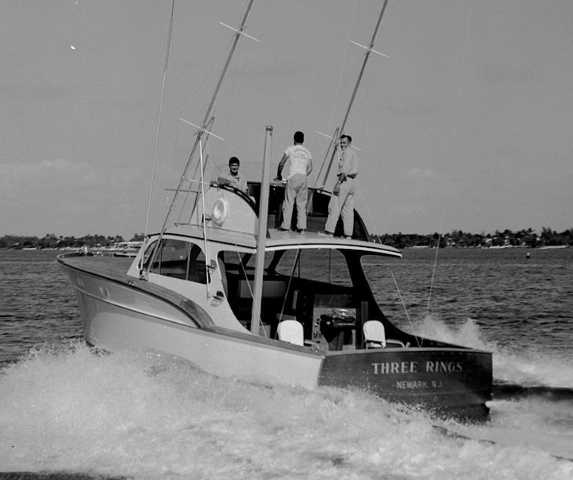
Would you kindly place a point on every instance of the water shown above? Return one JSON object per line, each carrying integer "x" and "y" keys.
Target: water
{"x": 64, "y": 408}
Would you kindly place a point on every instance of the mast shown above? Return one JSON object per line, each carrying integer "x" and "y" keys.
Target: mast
{"x": 261, "y": 238}
{"x": 207, "y": 116}
{"x": 369, "y": 49}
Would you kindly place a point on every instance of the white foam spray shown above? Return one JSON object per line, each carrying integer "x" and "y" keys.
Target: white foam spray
{"x": 150, "y": 417}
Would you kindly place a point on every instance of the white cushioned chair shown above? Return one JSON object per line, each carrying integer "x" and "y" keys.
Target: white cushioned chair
{"x": 291, "y": 331}
{"x": 375, "y": 335}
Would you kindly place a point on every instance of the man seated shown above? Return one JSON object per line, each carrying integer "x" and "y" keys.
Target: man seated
{"x": 233, "y": 177}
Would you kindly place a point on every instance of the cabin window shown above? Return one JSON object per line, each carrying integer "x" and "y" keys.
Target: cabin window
{"x": 148, "y": 254}
{"x": 179, "y": 259}
{"x": 318, "y": 265}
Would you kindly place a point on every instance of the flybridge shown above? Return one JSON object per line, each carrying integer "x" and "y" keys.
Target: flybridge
{"x": 317, "y": 210}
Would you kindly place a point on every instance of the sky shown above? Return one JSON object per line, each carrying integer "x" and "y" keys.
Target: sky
{"x": 465, "y": 125}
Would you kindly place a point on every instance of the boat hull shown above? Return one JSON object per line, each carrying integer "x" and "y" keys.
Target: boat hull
{"x": 124, "y": 313}
{"x": 120, "y": 316}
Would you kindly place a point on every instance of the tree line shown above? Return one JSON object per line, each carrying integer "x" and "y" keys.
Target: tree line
{"x": 54, "y": 241}
{"x": 457, "y": 238}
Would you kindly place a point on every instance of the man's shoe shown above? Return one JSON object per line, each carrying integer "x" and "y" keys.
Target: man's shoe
{"x": 282, "y": 229}
{"x": 325, "y": 234}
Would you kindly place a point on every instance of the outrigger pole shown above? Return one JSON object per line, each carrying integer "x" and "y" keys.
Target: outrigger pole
{"x": 369, "y": 49}
{"x": 204, "y": 125}
{"x": 158, "y": 125}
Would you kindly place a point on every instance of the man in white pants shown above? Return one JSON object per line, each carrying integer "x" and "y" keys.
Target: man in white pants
{"x": 342, "y": 199}
{"x": 295, "y": 166}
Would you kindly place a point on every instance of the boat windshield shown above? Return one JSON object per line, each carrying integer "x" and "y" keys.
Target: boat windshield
{"x": 176, "y": 258}
{"x": 321, "y": 265}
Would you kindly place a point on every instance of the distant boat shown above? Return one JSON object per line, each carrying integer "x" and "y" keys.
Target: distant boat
{"x": 125, "y": 249}
{"x": 236, "y": 297}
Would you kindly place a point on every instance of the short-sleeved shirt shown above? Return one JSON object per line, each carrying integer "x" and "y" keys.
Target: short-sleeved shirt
{"x": 348, "y": 162}
{"x": 236, "y": 181}
{"x": 298, "y": 159}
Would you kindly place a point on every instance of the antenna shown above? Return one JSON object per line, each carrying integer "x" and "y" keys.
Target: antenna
{"x": 434, "y": 270}
{"x": 158, "y": 123}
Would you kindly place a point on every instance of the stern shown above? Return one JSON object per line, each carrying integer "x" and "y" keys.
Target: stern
{"x": 456, "y": 382}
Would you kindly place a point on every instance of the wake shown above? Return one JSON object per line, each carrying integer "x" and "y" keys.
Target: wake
{"x": 65, "y": 410}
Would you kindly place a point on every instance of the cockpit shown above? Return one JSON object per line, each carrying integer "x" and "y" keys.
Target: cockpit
{"x": 324, "y": 290}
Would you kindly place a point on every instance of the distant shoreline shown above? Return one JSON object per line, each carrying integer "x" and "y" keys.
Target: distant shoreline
{"x": 524, "y": 238}
{"x": 410, "y": 247}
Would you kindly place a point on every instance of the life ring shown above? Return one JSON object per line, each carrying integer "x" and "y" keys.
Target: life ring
{"x": 220, "y": 211}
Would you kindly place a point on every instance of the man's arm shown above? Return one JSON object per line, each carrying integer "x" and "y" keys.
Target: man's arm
{"x": 281, "y": 166}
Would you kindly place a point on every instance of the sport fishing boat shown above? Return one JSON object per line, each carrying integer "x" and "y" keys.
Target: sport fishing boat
{"x": 237, "y": 297}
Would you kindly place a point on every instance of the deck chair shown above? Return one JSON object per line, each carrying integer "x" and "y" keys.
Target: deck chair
{"x": 374, "y": 334}
{"x": 291, "y": 331}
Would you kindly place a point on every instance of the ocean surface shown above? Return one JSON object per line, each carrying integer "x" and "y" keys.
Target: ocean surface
{"x": 67, "y": 410}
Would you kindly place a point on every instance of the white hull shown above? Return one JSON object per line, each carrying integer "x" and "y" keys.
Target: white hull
{"x": 117, "y": 317}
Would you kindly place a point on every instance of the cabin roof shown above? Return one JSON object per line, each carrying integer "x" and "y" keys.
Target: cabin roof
{"x": 281, "y": 240}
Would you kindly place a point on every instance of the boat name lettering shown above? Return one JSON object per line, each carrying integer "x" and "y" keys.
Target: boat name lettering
{"x": 430, "y": 366}
{"x": 443, "y": 367}
{"x": 385, "y": 368}
{"x": 411, "y": 384}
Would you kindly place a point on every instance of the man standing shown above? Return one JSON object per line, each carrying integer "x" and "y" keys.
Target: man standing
{"x": 342, "y": 199}
{"x": 295, "y": 166}
{"x": 234, "y": 178}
